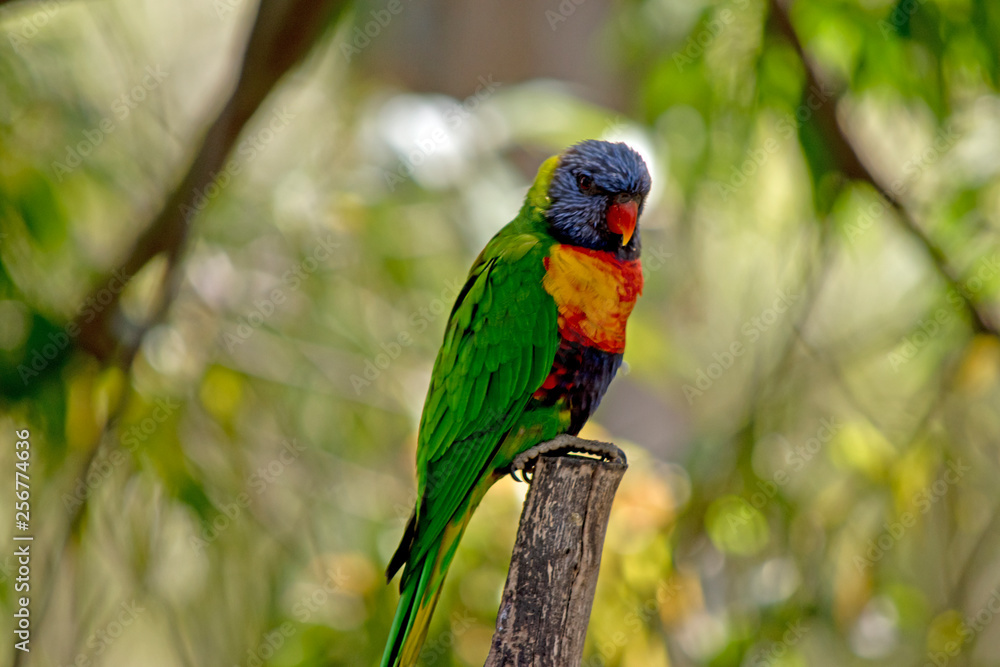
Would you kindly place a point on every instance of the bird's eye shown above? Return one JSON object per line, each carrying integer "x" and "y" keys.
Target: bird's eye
{"x": 586, "y": 184}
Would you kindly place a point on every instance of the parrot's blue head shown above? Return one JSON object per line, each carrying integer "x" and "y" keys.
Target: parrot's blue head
{"x": 596, "y": 195}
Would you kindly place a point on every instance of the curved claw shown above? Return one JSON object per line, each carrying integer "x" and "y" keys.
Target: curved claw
{"x": 524, "y": 463}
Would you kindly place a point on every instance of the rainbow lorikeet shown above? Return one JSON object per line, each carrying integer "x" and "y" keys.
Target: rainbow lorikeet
{"x": 533, "y": 341}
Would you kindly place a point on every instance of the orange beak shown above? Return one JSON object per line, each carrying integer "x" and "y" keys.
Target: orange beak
{"x": 622, "y": 217}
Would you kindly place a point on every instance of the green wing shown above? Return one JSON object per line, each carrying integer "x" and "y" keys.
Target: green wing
{"x": 498, "y": 348}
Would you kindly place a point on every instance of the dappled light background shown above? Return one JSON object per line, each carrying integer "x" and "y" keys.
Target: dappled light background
{"x": 811, "y": 399}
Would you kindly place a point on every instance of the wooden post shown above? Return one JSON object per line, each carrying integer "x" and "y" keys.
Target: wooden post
{"x": 549, "y": 593}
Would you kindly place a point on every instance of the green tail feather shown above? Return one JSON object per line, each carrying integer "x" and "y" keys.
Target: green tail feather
{"x": 402, "y": 624}
{"x": 419, "y": 593}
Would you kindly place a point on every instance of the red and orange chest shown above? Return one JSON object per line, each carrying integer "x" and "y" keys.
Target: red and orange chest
{"x": 594, "y": 294}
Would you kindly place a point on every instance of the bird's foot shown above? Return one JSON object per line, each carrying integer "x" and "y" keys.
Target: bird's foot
{"x": 524, "y": 463}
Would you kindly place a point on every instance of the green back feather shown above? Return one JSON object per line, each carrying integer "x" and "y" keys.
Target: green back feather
{"x": 499, "y": 345}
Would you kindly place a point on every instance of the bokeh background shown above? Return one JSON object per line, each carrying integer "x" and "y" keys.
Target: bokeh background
{"x": 222, "y": 449}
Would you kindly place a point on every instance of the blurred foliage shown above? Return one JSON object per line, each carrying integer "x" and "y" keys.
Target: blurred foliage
{"x": 811, "y": 417}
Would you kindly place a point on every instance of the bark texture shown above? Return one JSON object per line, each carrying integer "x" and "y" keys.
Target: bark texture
{"x": 549, "y": 593}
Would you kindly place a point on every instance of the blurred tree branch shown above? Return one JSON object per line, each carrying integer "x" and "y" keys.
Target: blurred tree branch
{"x": 848, "y": 161}
{"x": 283, "y": 33}
{"x": 850, "y": 164}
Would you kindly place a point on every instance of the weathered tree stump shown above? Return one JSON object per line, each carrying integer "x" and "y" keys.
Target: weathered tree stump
{"x": 549, "y": 593}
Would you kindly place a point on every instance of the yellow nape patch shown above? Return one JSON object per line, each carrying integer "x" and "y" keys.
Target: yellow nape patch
{"x": 594, "y": 293}
{"x": 538, "y": 195}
